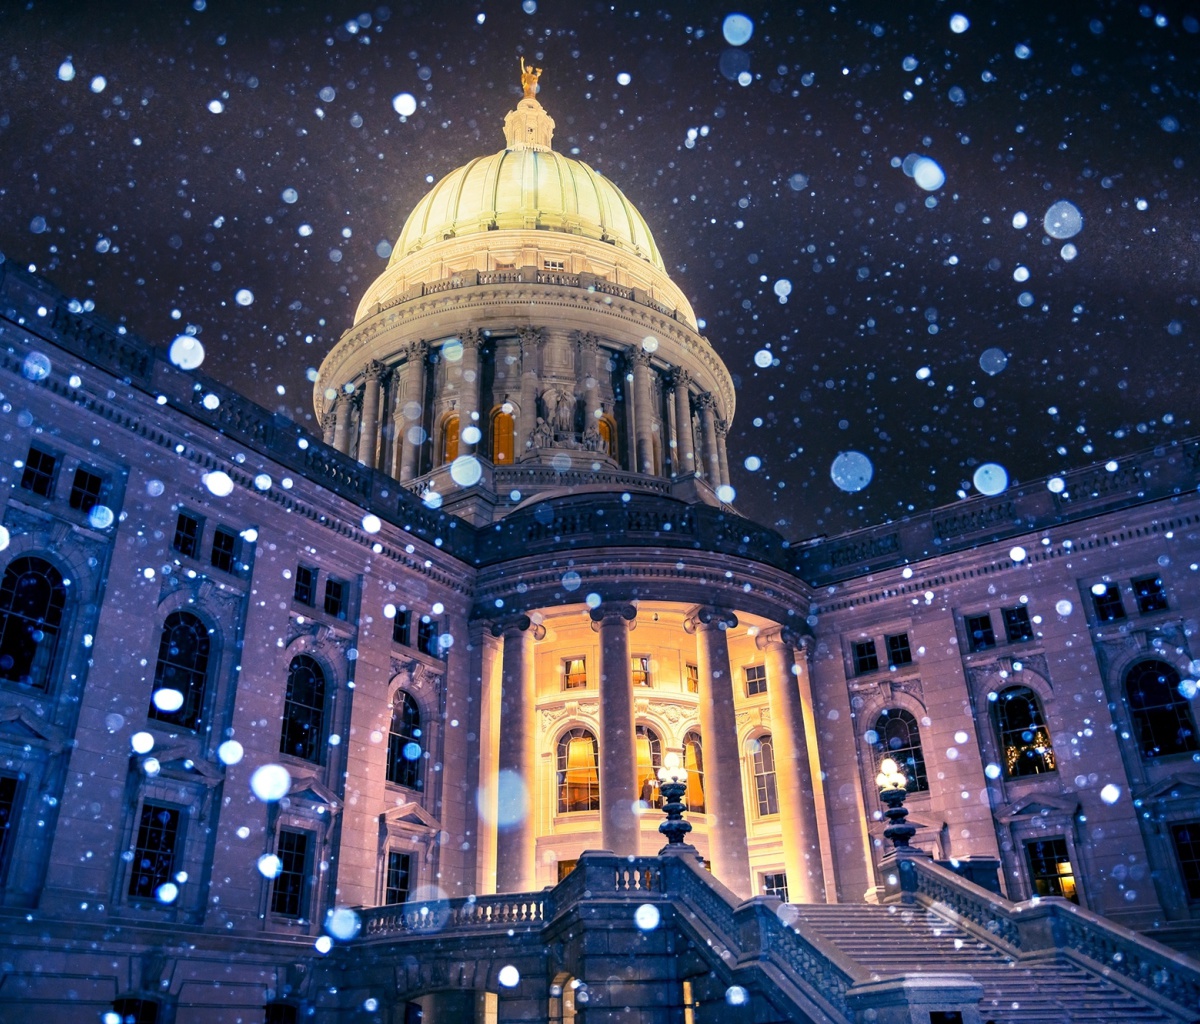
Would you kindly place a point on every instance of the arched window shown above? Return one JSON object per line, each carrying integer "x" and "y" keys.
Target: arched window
{"x": 32, "y": 599}
{"x": 1021, "y": 729}
{"x": 1161, "y": 716}
{"x": 303, "y": 732}
{"x": 762, "y": 756}
{"x": 450, "y": 439}
{"x": 608, "y": 434}
{"x": 649, "y": 760}
{"x": 404, "y": 743}
{"x": 578, "y": 772}
{"x": 503, "y": 437}
{"x": 897, "y": 737}
{"x": 693, "y": 761}
{"x": 181, "y": 675}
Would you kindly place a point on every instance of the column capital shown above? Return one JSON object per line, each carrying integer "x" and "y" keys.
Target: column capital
{"x": 706, "y": 402}
{"x": 612, "y": 611}
{"x": 417, "y": 350}
{"x": 679, "y": 378}
{"x": 513, "y": 625}
{"x": 586, "y": 340}
{"x": 708, "y": 617}
{"x": 637, "y": 357}
{"x": 375, "y": 371}
{"x": 531, "y": 338}
{"x": 780, "y": 636}
{"x": 473, "y": 338}
{"x": 722, "y": 427}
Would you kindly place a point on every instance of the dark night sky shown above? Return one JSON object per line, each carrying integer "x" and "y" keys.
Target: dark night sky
{"x": 141, "y": 199}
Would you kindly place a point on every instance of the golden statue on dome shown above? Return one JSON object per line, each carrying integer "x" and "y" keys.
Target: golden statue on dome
{"x": 529, "y": 79}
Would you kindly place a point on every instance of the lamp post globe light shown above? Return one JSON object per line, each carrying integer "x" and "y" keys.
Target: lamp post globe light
{"x": 672, "y": 783}
{"x": 893, "y": 788}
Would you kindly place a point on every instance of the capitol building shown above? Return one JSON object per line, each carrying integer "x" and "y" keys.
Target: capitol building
{"x": 374, "y": 726}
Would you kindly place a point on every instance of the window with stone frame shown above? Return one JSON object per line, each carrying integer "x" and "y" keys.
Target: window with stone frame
{"x": 980, "y": 635}
{"x": 402, "y": 627}
{"x": 691, "y": 678}
{"x": 1050, "y": 870}
{"x": 225, "y": 545}
{"x": 639, "y": 666}
{"x": 337, "y": 598}
{"x": 1021, "y": 730}
{"x": 578, "y": 776}
{"x": 1017, "y": 626}
{"x": 86, "y": 489}
{"x": 898, "y": 737}
{"x": 181, "y": 672}
{"x": 1150, "y": 594}
{"x": 1186, "y": 837}
{"x": 303, "y": 732}
{"x": 188, "y": 529}
{"x": 756, "y": 679}
{"x": 762, "y": 758}
{"x": 899, "y": 651}
{"x": 305, "y": 591}
{"x": 693, "y": 763}
{"x": 574, "y": 673}
{"x": 290, "y": 888}
{"x": 648, "y": 748}
{"x": 10, "y": 794}
{"x": 398, "y": 885}
{"x": 427, "y": 637}
{"x": 33, "y": 600}
{"x": 774, "y": 883}
{"x": 1107, "y": 603}
{"x": 866, "y": 657}
{"x": 1162, "y": 716}
{"x": 155, "y": 850}
{"x": 405, "y": 747}
{"x": 38, "y": 474}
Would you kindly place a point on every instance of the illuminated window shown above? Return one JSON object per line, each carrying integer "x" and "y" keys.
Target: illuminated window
{"x": 608, "y": 434}
{"x": 574, "y": 673}
{"x": 450, "y": 439}
{"x": 897, "y": 737}
{"x": 1024, "y": 738}
{"x": 183, "y": 651}
{"x": 640, "y": 667}
{"x": 762, "y": 753}
{"x": 503, "y": 438}
{"x": 578, "y": 772}
{"x": 404, "y": 743}
{"x": 303, "y": 732}
{"x": 774, "y": 883}
{"x": 1050, "y": 871}
{"x": 1162, "y": 719}
{"x": 691, "y": 678}
{"x": 32, "y": 599}
{"x": 649, "y": 760}
{"x": 693, "y": 761}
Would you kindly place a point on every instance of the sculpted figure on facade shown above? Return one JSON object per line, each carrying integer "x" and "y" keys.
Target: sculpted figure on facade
{"x": 542, "y": 436}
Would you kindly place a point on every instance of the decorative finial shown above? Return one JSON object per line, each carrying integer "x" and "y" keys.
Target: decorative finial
{"x": 529, "y": 79}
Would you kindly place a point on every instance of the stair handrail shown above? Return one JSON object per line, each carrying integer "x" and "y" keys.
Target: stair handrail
{"x": 1047, "y": 924}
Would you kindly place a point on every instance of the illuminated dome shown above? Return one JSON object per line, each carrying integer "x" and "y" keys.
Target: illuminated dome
{"x": 527, "y": 186}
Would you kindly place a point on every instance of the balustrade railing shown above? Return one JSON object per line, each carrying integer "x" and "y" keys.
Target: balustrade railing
{"x": 469, "y": 913}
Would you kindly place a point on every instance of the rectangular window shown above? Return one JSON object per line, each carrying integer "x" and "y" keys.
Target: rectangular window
{"x": 1050, "y": 872}
{"x": 574, "y": 673}
{"x": 1187, "y": 851}
{"x": 1106, "y": 599}
{"x": 187, "y": 535}
{"x": 336, "y": 593}
{"x": 399, "y": 880}
{"x": 565, "y": 867}
{"x": 756, "y": 679}
{"x": 427, "y": 636}
{"x": 979, "y": 632}
{"x": 288, "y": 891}
{"x": 402, "y": 627}
{"x": 554, "y": 264}
{"x": 691, "y": 678}
{"x": 1017, "y": 626}
{"x": 306, "y": 585}
{"x": 38, "y": 476}
{"x": 640, "y": 667}
{"x": 9, "y": 788}
{"x": 154, "y": 851}
{"x": 85, "y": 490}
{"x": 225, "y": 549}
{"x": 865, "y": 657}
{"x": 898, "y": 650}
{"x": 765, "y": 789}
{"x": 774, "y": 883}
{"x": 1150, "y": 594}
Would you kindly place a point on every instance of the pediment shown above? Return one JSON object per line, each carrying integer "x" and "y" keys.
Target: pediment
{"x": 310, "y": 789}
{"x": 1042, "y": 805}
{"x": 410, "y": 814}
{"x": 19, "y": 725}
{"x": 1177, "y": 786}
{"x": 179, "y": 762}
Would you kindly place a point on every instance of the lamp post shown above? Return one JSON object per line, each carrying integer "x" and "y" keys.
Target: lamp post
{"x": 893, "y": 788}
{"x": 672, "y": 783}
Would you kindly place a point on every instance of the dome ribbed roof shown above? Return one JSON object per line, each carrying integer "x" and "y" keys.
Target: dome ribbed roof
{"x": 527, "y": 186}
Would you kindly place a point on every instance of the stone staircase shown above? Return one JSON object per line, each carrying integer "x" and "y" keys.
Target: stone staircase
{"x": 898, "y": 939}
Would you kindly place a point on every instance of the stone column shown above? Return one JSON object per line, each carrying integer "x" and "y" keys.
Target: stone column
{"x": 516, "y": 867}
{"x": 643, "y": 411}
{"x": 329, "y": 422}
{"x": 368, "y": 429}
{"x": 708, "y": 427}
{"x": 618, "y": 753}
{"x": 685, "y": 448}
{"x": 531, "y": 347}
{"x": 341, "y": 428}
{"x": 589, "y": 349}
{"x": 723, "y": 800}
{"x": 468, "y": 409}
{"x": 722, "y": 454}
{"x": 413, "y": 399}
{"x": 793, "y": 779}
{"x": 399, "y": 423}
